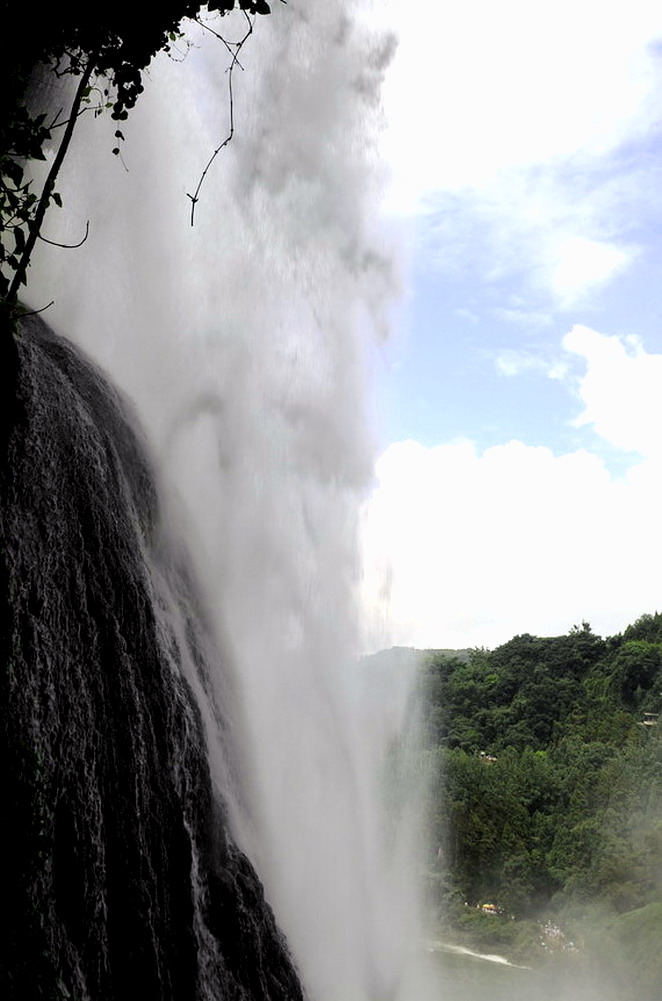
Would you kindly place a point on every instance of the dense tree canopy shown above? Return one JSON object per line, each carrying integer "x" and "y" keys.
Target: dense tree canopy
{"x": 548, "y": 764}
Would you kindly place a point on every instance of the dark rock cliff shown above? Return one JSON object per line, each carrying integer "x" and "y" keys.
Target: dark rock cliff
{"x": 121, "y": 879}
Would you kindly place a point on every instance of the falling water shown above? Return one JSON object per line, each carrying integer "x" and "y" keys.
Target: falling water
{"x": 243, "y": 343}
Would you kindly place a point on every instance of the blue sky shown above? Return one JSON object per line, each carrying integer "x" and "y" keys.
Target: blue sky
{"x": 520, "y": 397}
{"x": 473, "y": 356}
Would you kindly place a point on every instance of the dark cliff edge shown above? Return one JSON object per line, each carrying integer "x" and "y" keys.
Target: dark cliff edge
{"x": 120, "y": 878}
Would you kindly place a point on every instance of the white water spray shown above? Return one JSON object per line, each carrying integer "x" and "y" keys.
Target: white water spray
{"x": 242, "y": 342}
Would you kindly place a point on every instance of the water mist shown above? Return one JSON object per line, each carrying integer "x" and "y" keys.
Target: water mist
{"x": 242, "y": 342}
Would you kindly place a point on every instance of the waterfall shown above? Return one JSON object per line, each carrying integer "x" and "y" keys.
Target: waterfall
{"x": 242, "y": 342}
{"x": 121, "y": 877}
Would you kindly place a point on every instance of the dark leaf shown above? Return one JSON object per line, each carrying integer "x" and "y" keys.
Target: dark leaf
{"x": 13, "y": 171}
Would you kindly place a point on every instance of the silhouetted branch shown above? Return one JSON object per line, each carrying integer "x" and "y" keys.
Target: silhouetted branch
{"x": 49, "y": 184}
{"x": 67, "y": 246}
{"x": 97, "y": 109}
{"x": 35, "y": 312}
{"x": 228, "y": 45}
{"x": 235, "y": 62}
{"x": 54, "y": 123}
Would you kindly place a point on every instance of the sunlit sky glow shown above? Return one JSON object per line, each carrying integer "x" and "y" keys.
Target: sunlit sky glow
{"x": 519, "y": 487}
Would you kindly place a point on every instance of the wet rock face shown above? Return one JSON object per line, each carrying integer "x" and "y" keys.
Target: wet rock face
{"x": 121, "y": 879}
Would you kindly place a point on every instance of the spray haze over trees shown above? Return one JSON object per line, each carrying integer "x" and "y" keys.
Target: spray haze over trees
{"x": 547, "y": 799}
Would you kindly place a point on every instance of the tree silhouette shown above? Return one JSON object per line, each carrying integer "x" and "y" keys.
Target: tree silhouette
{"x": 108, "y": 54}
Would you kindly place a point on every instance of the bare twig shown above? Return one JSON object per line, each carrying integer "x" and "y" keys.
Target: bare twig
{"x": 49, "y": 184}
{"x": 96, "y": 108}
{"x": 234, "y": 48}
{"x": 54, "y": 122}
{"x": 34, "y": 312}
{"x": 68, "y": 246}
{"x": 228, "y": 45}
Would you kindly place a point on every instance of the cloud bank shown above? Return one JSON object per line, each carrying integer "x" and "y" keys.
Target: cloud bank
{"x": 467, "y": 548}
{"x": 510, "y": 127}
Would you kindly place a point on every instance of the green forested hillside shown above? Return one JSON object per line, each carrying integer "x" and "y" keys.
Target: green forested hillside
{"x": 547, "y": 774}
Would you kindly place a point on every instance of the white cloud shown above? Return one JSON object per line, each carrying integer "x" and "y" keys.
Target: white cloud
{"x": 501, "y": 120}
{"x": 581, "y": 265}
{"x": 531, "y": 319}
{"x": 510, "y": 362}
{"x": 476, "y": 88}
{"x": 562, "y": 237}
{"x": 480, "y": 546}
{"x": 621, "y": 390}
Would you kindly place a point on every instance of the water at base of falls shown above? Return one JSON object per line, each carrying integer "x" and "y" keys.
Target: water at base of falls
{"x": 120, "y": 877}
{"x": 465, "y": 975}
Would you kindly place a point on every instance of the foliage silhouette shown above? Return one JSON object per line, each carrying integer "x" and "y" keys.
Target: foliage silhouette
{"x": 108, "y": 54}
